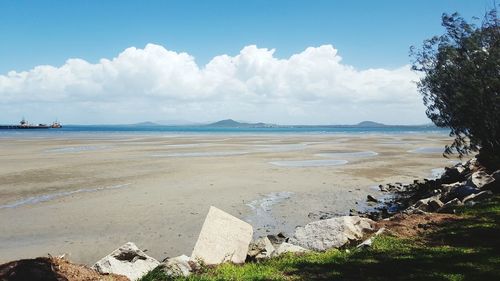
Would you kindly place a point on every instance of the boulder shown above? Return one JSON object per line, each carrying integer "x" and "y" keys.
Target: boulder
{"x": 451, "y": 175}
{"x": 450, "y": 206}
{"x": 178, "y": 266}
{"x": 331, "y": 233}
{"x": 261, "y": 248}
{"x": 127, "y": 260}
{"x": 478, "y": 196}
{"x": 288, "y": 248}
{"x": 434, "y": 204}
{"x": 222, "y": 238}
{"x": 460, "y": 192}
{"x": 430, "y": 204}
{"x": 481, "y": 179}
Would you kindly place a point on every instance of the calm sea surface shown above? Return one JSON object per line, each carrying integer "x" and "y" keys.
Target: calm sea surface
{"x": 85, "y": 130}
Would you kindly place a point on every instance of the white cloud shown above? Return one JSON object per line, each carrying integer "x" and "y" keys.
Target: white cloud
{"x": 154, "y": 83}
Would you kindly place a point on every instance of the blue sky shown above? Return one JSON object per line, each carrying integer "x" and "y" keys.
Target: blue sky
{"x": 366, "y": 34}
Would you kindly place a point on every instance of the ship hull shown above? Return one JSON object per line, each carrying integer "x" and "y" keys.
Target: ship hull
{"x": 17, "y": 127}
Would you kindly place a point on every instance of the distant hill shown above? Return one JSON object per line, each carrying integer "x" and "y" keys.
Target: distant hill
{"x": 166, "y": 123}
{"x": 370, "y": 124}
{"x": 146, "y": 124}
{"x": 230, "y": 123}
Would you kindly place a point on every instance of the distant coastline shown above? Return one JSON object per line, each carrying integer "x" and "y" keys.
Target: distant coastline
{"x": 230, "y": 123}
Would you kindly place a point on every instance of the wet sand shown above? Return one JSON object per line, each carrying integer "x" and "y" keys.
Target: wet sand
{"x": 87, "y": 196}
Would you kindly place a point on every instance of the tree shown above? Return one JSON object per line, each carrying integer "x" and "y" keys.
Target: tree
{"x": 461, "y": 83}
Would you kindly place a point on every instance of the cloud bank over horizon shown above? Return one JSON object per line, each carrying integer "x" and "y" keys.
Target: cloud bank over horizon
{"x": 153, "y": 83}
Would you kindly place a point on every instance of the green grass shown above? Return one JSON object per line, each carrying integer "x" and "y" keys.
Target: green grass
{"x": 468, "y": 249}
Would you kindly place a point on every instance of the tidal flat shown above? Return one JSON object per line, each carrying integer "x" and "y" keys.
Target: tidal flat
{"x": 60, "y": 195}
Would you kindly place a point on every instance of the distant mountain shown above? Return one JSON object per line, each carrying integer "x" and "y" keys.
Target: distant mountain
{"x": 167, "y": 123}
{"x": 230, "y": 123}
{"x": 146, "y": 124}
{"x": 370, "y": 124}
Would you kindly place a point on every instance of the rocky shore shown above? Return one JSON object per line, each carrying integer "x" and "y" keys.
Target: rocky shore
{"x": 225, "y": 238}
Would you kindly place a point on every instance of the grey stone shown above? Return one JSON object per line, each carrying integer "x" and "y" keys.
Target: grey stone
{"x": 288, "y": 248}
{"x": 481, "y": 179}
{"x": 178, "y": 266}
{"x": 434, "y": 204}
{"x": 451, "y": 175}
{"x": 222, "y": 238}
{"x": 459, "y": 191}
{"x": 450, "y": 206}
{"x": 331, "y": 233}
{"x": 261, "y": 248}
{"x": 478, "y": 196}
{"x": 127, "y": 260}
{"x": 428, "y": 204}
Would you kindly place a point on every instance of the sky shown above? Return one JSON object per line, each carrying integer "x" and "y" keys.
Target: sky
{"x": 286, "y": 62}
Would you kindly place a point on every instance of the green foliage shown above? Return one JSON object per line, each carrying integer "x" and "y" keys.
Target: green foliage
{"x": 467, "y": 249}
{"x": 461, "y": 82}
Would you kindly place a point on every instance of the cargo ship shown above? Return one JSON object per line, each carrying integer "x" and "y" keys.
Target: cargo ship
{"x": 25, "y": 125}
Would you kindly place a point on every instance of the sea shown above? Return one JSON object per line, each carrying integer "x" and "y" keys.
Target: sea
{"x": 96, "y": 130}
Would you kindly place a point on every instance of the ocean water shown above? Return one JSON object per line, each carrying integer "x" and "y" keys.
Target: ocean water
{"x": 97, "y": 130}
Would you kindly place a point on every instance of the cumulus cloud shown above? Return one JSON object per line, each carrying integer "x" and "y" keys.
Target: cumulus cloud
{"x": 154, "y": 83}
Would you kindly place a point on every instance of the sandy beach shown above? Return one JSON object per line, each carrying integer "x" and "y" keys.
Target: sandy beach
{"x": 85, "y": 196}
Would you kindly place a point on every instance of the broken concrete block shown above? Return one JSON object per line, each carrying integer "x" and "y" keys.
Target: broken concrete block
{"x": 127, "y": 260}
{"x": 261, "y": 248}
{"x": 222, "y": 238}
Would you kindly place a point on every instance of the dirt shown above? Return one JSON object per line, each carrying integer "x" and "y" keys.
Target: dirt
{"x": 414, "y": 225}
{"x": 51, "y": 269}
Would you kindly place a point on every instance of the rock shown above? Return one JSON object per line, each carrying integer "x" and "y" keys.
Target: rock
{"x": 435, "y": 204}
{"x": 331, "y": 233}
{"x": 481, "y": 179}
{"x": 127, "y": 260}
{"x": 422, "y": 204}
{"x": 178, "y": 266}
{"x": 261, "y": 248}
{"x": 472, "y": 164}
{"x": 370, "y": 198}
{"x": 460, "y": 192}
{"x": 451, "y": 175}
{"x": 383, "y": 188}
{"x": 288, "y": 248}
{"x": 450, "y": 206}
{"x": 222, "y": 238}
{"x": 495, "y": 186}
{"x": 368, "y": 242}
{"x": 277, "y": 239}
{"x": 478, "y": 196}
{"x": 430, "y": 204}
{"x": 461, "y": 168}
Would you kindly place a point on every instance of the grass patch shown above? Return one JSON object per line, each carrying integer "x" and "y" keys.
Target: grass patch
{"x": 468, "y": 249}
